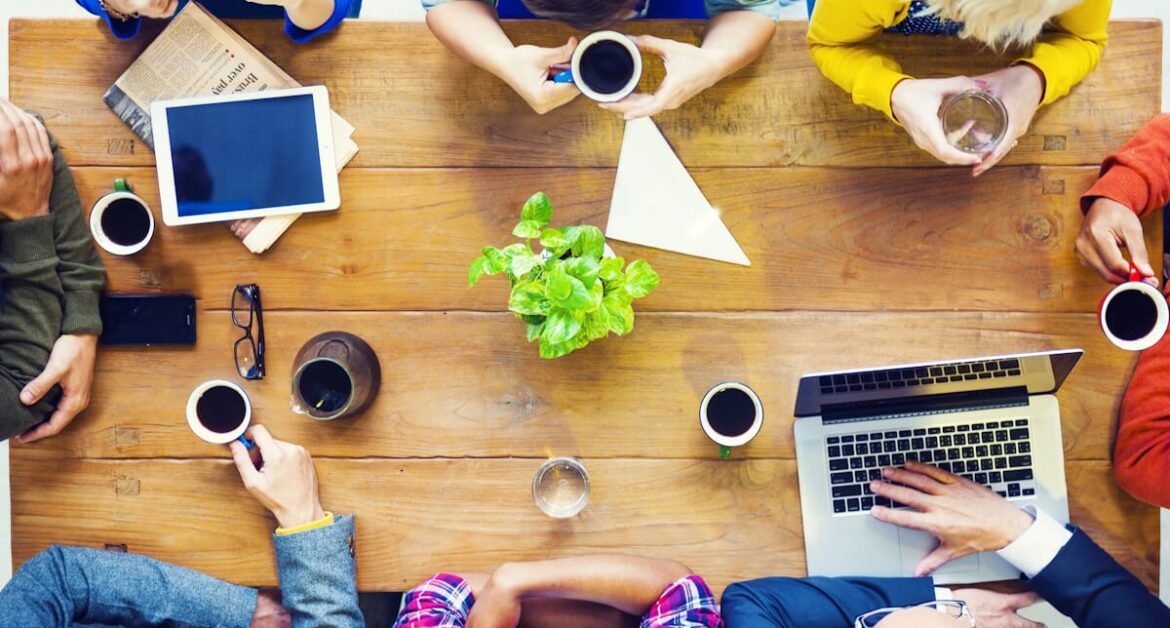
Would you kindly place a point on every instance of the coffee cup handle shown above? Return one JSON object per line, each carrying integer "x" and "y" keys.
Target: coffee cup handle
{"x": 248, "y": 444}
{"x": 564, "y": 76}
{"x": 724, "y": 453}
{"x": 1134, "y": 273}
{"x": 120, "y": 185}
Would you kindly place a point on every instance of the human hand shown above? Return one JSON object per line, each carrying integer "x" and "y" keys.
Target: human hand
{"x": 285, "y": 483}
{"x": 689, "y": 70}
{"x": 966, "y": 517}
{"x": 1108, "y": 226}
{"x": 269, "y": 612}
{"x": 998, "y": 610}
{"x": 71, "y": 365}
{"x": 915, "y": 103}
{"x": 526, "y": 68}
{"x": 1021, "y": 88}
{"x": 497, "y": 602}
{"x": 26, "y": 164}
{"x": 144, "y": 8}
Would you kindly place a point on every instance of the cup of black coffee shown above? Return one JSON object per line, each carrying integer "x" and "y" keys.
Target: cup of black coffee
{"x": 219, "y": 411}
{"x": 121, "y": 222}
{"x": 606, "y": 66}
{"x": 731, "y": 415}
{"x": 1134, "y": 315}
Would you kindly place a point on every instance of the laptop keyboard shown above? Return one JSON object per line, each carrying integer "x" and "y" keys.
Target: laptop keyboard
{"x": 920, "y": 376}
{"x": 996, "y": 454}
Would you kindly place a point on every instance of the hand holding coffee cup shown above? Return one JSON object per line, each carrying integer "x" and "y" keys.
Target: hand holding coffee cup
{"x": 219, "y": 411}
{"x": 731, "y": 415}
{"x": 285, "y": 482}
{"x": 121, "y": 222}
{"x": 1134, "y": 315}
{"x": 606, "y": 66}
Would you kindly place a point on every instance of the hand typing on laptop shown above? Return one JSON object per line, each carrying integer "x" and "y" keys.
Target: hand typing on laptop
{"x": 966, "y": 517}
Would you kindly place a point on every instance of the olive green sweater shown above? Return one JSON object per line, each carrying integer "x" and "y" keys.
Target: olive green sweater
{"x": 50, "y": 281}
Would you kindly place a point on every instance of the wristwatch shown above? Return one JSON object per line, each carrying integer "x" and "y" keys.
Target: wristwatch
{"x": 115, "y": 14}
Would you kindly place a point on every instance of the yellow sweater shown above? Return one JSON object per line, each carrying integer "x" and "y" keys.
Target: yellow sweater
{"x": 840, "y": 31}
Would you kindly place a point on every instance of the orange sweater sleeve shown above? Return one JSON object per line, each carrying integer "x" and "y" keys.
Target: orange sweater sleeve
{"x": 1138, "y": 175}
{"x": 1141, "y": 456}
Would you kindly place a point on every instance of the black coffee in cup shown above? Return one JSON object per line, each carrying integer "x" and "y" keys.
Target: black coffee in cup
{"x": 325, "y": 386}
{"x": 1131, "y": 314}
{"x": 221, "y": 409}
{"x": 731, "y": 412}
{"x": 606, "y": 67}
{"x": 126, "y": 222}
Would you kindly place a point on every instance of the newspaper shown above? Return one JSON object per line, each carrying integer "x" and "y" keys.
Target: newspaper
{"x": 198, "y": 55}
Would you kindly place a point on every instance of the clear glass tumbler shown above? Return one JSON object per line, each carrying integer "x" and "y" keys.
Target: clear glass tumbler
{"x": 561, "y": 487}
{"x": 974, "y": 121}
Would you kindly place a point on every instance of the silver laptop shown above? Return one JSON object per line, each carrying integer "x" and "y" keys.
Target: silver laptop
{"x": 993, "y": 420}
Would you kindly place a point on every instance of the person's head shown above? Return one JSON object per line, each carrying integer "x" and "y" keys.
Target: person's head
{"x": 587, "y": 15}
{"x": 922, "y": 617}
{"x": 144, "y": 8}
{"x": 1001, "y": 23}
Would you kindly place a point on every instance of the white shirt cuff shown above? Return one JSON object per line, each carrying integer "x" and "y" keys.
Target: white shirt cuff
{"x": 943, "y": 593}
{"x": 1038, "y": 545}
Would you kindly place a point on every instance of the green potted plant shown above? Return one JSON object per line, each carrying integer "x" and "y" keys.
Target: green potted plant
{"x": 570, "y": 293}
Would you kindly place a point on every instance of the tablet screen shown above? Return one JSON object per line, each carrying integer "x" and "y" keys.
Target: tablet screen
{"x": 243, "y": 155}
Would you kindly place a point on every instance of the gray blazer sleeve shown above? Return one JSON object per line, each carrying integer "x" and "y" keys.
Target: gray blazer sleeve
{"x": 318, "y": 576}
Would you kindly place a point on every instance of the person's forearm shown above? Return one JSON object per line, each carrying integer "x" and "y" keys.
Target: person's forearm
{"x": 628, "y": 583}
{"x": 739, "y": 37}
{"x": 309, "y": 14}
{"x": 549, "y": 613}
{"x": 1137, "y": 175}
{"x": 470, "y": 29}
{"x": 1141, "y": 459}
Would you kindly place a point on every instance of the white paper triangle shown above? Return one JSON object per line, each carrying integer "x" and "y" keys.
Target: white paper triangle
{"x": 656, "y": 202}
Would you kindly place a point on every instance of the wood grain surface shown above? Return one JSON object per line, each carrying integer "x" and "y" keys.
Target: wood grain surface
{"x": 865, "y": 252}
{"x": 819, "y": 239}
{"x": 408, "y": 98}
{"x": 726, "y": 520}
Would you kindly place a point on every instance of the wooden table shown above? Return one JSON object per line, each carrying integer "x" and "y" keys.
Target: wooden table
{"x": 865, "y": 252}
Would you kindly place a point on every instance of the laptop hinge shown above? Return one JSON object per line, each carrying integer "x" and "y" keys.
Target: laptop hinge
{"x": 927, "y": 404}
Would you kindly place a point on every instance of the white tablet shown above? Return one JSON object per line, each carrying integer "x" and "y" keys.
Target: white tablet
{"x": 245, "y": 156}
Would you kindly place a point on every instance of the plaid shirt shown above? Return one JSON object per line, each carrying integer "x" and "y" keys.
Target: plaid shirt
{"x": 445, "y": 600}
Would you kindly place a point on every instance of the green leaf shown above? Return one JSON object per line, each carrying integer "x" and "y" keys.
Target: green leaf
{"x": 550, "y": 350}
{"x": 561, "y": 326}
{"x": 527, "y": 229}
{"x": 533, "y": 330}
{"x": 584, "y": 268}
{"x": 595, "y": 325}
{"x": 619, "y": 313}
{"x": 528, "y": 298}
{"x": 589, "y": 242}
{"x": 538, "y": 208}
{"x": 478, "y": 269}
{"x": 558, "y": 284}
{"x": 525, "y": 262}
{"x": 554, "y": 241}
{"x": 640, "y": 279}
{"x": 610, "y": 271}
{"x": 496, "y": 260}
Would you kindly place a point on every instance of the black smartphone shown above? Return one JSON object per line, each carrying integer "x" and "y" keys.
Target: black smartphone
{"x": 131, "y": 319}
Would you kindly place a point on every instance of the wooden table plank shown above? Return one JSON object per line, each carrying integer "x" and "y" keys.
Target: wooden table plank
{"x": 727, "y": 520}
{"x": 819, "y": 239}
{"x": 464, "y": 384}
{"x": 409, "y": 102}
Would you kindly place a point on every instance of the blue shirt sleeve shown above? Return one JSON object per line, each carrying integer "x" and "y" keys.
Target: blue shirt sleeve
{"x": 430, "y": 4}
{"x": 300, "y": 35}
{"x": 121, "y": 29}
{"x": 767, "y": 8}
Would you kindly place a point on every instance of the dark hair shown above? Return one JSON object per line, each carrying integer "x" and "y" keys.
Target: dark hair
{"x": 587, "y": 15}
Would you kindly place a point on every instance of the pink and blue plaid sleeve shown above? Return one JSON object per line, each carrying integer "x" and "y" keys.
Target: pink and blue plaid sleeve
{"x": 443, "y": 601}
{"x": 687, "y": 603}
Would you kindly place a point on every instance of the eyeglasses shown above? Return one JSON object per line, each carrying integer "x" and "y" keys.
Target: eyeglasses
{"x": 956, "y": 609}
{"x": 641, "y": 9}
{"x": 249, "y": 350}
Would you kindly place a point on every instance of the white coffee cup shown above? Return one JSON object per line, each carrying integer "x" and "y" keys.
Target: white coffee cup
{"x": 725, "y": 441}
{"x": 1161, "y": 315}
{"x": 202, "y": 431}
{"x": 588, "y": 42}
{"x": 121, "y": 191}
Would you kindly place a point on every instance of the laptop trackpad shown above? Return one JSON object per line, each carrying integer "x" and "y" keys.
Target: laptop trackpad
{"x": 916, "y": 545}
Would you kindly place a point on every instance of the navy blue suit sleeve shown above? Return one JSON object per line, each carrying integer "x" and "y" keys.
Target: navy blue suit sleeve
{"x": 817, "y": 602}
{"x": 318, "y": 576}
{"x": 1085, "y": 583}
